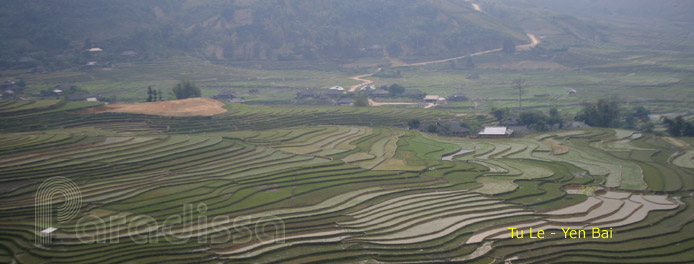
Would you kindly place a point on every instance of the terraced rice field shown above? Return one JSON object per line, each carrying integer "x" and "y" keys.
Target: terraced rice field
{"x": 268, "y": 185}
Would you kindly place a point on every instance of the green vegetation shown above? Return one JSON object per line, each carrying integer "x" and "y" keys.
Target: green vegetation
{"x": 387, "y": 190}
{"x": 361, "y": 100}
{"x": 679, "y": 128}
{"x": 297, "y": 31}
{"x": 184, "y": 89}
{"x": 273, "y": 180}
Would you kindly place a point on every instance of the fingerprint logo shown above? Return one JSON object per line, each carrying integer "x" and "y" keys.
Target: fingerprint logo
{"x": 56, "y": 191}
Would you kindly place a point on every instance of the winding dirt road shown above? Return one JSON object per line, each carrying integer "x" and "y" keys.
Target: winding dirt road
{"x": 533, "y": 42}
{"x": 364, "y": 82}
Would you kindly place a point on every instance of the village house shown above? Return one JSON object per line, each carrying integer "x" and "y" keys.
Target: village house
{"x": 379, "y": 93}
{"x": 333, "y": 93}
{"x": 11, "y": 85}
{"x": 495, "y": 132}
{"x": 308, "y": 94}
{"x": 129, "y": 53}
{"x": 339, "y": 88}
{"x": 8, "y": 94}
{"x": 572, "y": 92}
{"x": 345, "y": 102}
{"x": 432, "y": 99}
{"x": 224, "y": 96}
{"x": 368, "y": 88}
{"x": 509, "y": 121}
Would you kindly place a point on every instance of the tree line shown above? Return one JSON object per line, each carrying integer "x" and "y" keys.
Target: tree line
{"x": 182, "y": 90}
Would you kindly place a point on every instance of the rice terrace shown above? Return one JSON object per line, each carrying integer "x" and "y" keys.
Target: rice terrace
{"x": 318, "y": 132}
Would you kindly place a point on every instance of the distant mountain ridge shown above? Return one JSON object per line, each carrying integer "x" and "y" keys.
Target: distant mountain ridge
{"x": 250, "y": 30}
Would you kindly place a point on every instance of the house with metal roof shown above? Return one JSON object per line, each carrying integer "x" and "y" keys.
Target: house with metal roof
{"x": 495, "y": 132}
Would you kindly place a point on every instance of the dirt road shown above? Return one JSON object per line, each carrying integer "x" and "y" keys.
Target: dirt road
{"x": 364, "y": 82}
{"x": 533, "y": 42}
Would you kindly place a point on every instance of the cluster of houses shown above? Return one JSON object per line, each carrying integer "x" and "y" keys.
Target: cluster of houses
{"x": 335, "y": 93}
{"x": 455, "y": 129}
{"x": 227, "y": 96}
{"x": 10, "y": 90}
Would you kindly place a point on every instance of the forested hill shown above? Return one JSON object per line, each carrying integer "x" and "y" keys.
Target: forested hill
{"x": 250, "y": 30}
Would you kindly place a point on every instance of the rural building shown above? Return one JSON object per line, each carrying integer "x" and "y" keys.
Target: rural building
{"x": 345, "y": 102}
{"x": 339, "y": 88}
{"x": 379, "y": 93}
{"x": 62, "y": 87}
{"x": 95, "y": 50}
{"x": 458, "y": 97}
{"x": 572, "y": 92}
{"x": 495, "y": 132}
{"x": 333, "y": 93}
{"x": 576, "y": 125}
{"x": 432, "y": 99}
{"x": 92, "y": 99}
{"x": 237, "y": 100}
{"x": 224, "y": 96}
{"x": 129, "y": 53}
{"x": 368, "y": 88}
{"x": 12, "y": 85}
{"x": 307, "y": 94}
{"x": 511, "y": 121}
{"x": 8, "y": 94}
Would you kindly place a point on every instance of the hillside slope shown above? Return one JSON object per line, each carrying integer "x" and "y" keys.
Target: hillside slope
{"x": 250, "y": 30}
{"x": 272, "y": 30}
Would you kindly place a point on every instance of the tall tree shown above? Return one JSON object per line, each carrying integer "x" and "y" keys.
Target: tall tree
{"x": 361, "y": 100}
{"x": 469, "y": 63}
{"x": 149, "y": 93}
{"x": 186, "y": 89}
{"x": 508, "y": 46}
{"x": 413, "y": 124}
{"x": 604, "y": 113}
{"x": 555, "y": 117}
{"x": 154, "y": 95}
{"x": 675, "y": 127}
{"x": 395, "y": 89}
{"x": 160, "y": 94}
{"x": 500, "y": 113}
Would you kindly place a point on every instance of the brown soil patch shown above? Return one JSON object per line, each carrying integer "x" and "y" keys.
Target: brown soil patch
{"x": 184, "y": 107}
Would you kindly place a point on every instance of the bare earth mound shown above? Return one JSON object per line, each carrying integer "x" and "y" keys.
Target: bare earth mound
{"x": 184, "y": 107}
